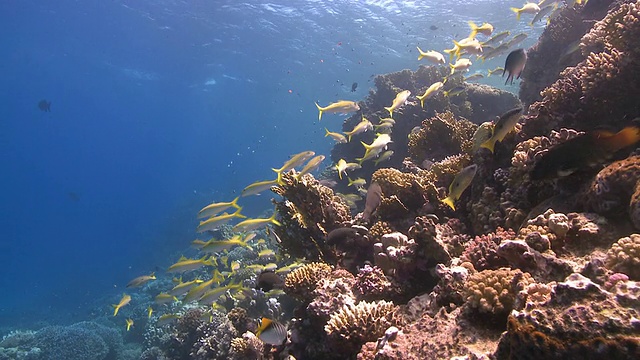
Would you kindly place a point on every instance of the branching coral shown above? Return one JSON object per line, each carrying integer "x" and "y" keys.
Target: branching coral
{"x": 624, "y": 256}
{"x": 301, "y": 282}
{"x": 353, "y": 325}
{"x": 309, "y": 212}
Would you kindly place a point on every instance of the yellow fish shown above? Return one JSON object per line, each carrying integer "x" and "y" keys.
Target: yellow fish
{"x": 164, "y": 298}
{"x": 460, "y": 65}
{"x": 141, "y": 280}
{"x": 217, "y": 221}
{"x": 183, "y": 287}
{"x": 215, "y": 208}
{"x": 221, "y": 245}
{"x": 484, "y": 29}
{"x": 363, "y": 126}
{"x": 528, "y": 8}
{"x": 293, "y": 162}
{"x": 184, "y": 264}
{"x": 433, "y": 56}
{"x": 149, "y": 311}
{"x": 400, "y": 99}
{"x": 502, "y": 127}
{"x": 341, "y": 167}
{"x": 167, "y": 319}
{"x": 257, "y": 187}
{"x": 431, "y": 90}
{"x": 460, "y": 184}
{"x": 341, "y": 106}
{"x": 123, "y": 302}
{"x": 129, "y": 324}
{"x": 197, "y": 291}
{"x": 266, "y": 253}
{"x": 254, "y": 224}
{"x": 311, "y": 166}
{"x": 337, "y": 137}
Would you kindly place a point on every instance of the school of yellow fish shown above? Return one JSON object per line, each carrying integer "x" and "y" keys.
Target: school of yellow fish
{"x": 214, "y": 259}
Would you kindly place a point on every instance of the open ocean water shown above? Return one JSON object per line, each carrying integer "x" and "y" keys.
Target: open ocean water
{"x": 161, "y": 107}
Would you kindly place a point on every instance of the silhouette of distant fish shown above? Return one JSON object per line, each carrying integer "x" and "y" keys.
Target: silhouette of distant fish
{"x": 268, "y": 280}
{"x": 354, "y": 86}
{"x": 516, "y": 60}
{"x": 44, "y": 105}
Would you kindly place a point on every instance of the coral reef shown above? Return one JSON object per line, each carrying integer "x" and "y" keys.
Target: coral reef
{"x": 301, "y": 282}
{"x": 309, "y": 211}
{"x": 440, "y": 136}
{"x": 624, "y": 256}
{"x": 494, "y": 291}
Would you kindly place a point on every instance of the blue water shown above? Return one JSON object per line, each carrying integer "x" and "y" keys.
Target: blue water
{"x": 161, "y": 107}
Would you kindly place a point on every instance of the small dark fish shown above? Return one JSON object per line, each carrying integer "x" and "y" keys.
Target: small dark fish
{"x": 339, "y": 235}
{"x": 268, "y": 280}
{"x": 354, "y": 86}
{"x": 271, "y": 332}
{"x": 516, "y": 60}
{"x": 374, "y": 197}
{"x": 328, "y": 183}
{"x": 44, "y": 105}
{"x": 433, "y": 27}
{"x": 582, "y": 151}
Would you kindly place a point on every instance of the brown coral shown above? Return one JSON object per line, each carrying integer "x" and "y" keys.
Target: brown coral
{"x": 441, "y": 136}
{"x": 494, "y": 291}
{"x": 353, "y": 325}
{"x": 309, "y": 211}
{"x": 624, "y": 256}
{"x": 301, "y": 282}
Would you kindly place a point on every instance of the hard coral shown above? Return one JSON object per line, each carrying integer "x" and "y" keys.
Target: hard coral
{"x": 353, "y": 325}
{"x": 332, "y": 292}
{"x": 405, "y": 186}
{"x": 70, "y": 343}
{"x": 441, "y": 136}
{"x": 579, "y": 321}
{"x": 494, "y": 291}
{"x": 372, "y": 284}
{"x": 615, "y": 189}
{"x": 482, "y": 251}
{"x": 309, "y": 212}
{"x": 624, "y": 256}
{"x": 301, "y": 282}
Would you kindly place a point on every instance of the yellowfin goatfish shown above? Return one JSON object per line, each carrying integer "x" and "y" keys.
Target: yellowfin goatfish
{"x": 184, "y": 264}
{"x": 431, "y": 90}
{"x": 215, "y": 246}
{"x": 217, "y": 221}
{"x": 501, "y": 49}
{"x": 341, "y": 166}
{"x": 217, "y": 277}
{"x": 311, "y": 166}
{"x": 359, "y": 182}
{"x": 379, "y": 143}
{"x": 293, "y": 162}
{"x": 433, "y": 56}
{"x": 543, "y": 11}
{"x": 184, "y": 287}
{"x": 198, "y": 244}
{"x": 164, "y": 298}
{"x": 129, "y": 324}
{"x": 254, "y": 224}
{"x": 469, "y": 46}
{"x": 459, "y": 185}
{"x": 270, "y": 267}
{"x": 212, "y": 295}
{"x": 496, "y": 38}
{"x": 528, "y": 8}
{"x": 266, "y": 253}
{"x": 460, "y": 65}
{"x": 399, "y": 100}
{"x": 384, "y": 157}
{"x": 235, "y": 266}
{"x": 126, "y": 299}
{"x": 141, "y": 280}
{"x": 363, "y": 126}
{"x": 341, "y": 106}
{"x": 271, "y": 332}
{"x": 167, "y": 319}
{"x": 454, "y": 91}
{"x": 474, "y": 77}
{"x": 215, "y": 208}
{"x": 502, "y": 127}
{"x": 516, "y": 40}
{"x": 484, "y": 29}
{"x": 337, "y": 137}
{"x": 258, "y": 187}
{"x": 197, "y": 291}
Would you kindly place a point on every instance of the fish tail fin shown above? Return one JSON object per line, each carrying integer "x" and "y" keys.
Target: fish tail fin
{"x": 366, "y": 146}
{"x": 234, "y": 203}
{"x": 623, "y": 138}
{"x": 273, "y": 219}
{"x": 451, "y": 52}
{"x": 421, "y": 98}
{"x": 517, "y": 11}
{"x": 421, "y": 53}
{"x": 390, "y": 110}
{"x": 360, "y": 160}
{"x": 115, "y": 312}
{"x": 489, "y": 144}
{"x": 474, "y": 29}
{"x": 453, "y": 69}
{"x": 327, "y": 132}
{"x": 320, "y": 110}
{"x": 340, "y": 173}
{"x": 449, "y": 201}
{"x": 237, "y": 213}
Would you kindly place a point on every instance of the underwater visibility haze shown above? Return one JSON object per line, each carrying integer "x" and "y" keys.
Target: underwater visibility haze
{"x": 260, "y": 179}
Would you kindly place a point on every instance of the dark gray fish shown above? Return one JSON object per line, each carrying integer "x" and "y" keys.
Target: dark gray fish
{"x": 433, "y": 27}
{"x": 516, "y": 60}
{"x": 268, "y": 280}
{"x": 374, "y": 197}
{"x": 339, "y": 235}
{"x": 354, "y": 86}
{"x": 44, "y": 105}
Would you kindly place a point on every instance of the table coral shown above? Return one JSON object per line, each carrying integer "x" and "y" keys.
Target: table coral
{"x": 624, "y": 256}
{"x": 353, "y": 325}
